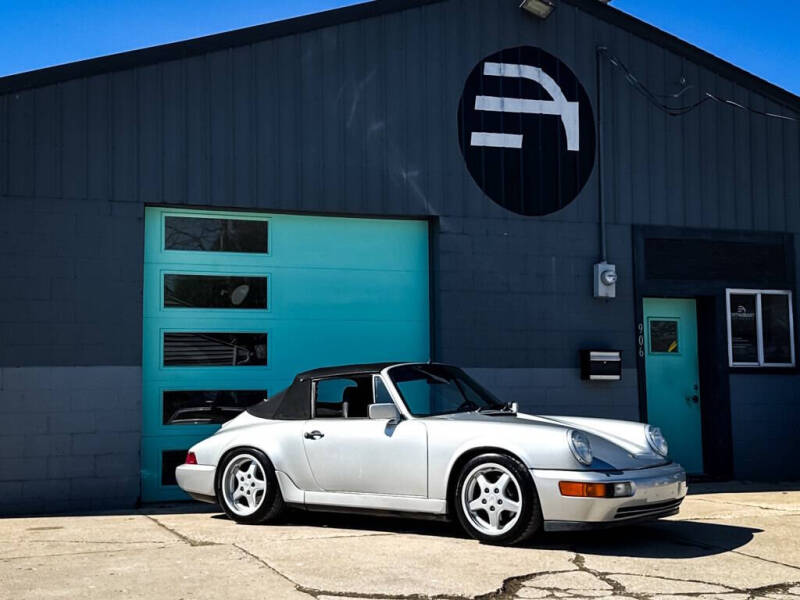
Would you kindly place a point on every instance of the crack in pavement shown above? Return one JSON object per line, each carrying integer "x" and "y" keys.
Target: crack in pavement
{"x": 179, "y": 535}
{"x": 684, "y": 542}
{"x": 263, "y": 562}
{"x": 89, "y": 542}
{"x": 10, "y": 558}
{"x": 758, "y": 506}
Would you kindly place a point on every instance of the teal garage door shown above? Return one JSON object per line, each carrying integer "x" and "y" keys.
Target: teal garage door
{"x": 235, "y": 304}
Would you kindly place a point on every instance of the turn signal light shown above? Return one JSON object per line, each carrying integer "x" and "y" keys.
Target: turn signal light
{"x": 191, "y": 459}
{"x": 595, "y": 490}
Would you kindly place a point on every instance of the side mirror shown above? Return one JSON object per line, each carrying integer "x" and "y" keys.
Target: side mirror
{"x": 384, "y": 411}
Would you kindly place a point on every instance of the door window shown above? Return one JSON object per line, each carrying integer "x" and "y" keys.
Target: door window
{"x": 760, "y": 328}
{"x": 664, "y": 336}
{"x": 343, "y": 397}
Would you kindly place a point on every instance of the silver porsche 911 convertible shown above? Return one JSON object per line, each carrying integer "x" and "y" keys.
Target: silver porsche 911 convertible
{"x": 425, "y": 439}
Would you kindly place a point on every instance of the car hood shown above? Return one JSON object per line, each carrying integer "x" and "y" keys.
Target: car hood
{"x": 616, "y": 445}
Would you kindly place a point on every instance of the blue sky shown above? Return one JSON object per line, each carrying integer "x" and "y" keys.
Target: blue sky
{"x": 760, "y": 37}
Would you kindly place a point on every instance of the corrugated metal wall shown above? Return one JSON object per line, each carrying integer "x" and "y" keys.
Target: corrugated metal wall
{"x": 361, "y": 118}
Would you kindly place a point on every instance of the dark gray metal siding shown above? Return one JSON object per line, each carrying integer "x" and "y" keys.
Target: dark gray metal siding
{"x": 361, "y": 118}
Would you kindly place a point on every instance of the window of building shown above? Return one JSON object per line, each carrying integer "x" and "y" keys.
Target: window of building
{"x": 760, "y": 328}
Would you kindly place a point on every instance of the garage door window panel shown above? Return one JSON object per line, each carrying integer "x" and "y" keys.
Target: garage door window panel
{"x": 215, "y": 291}
{"x": 215, "y": 349}
{"x": 203, "y": 407}
{"x": 205, "y": 234}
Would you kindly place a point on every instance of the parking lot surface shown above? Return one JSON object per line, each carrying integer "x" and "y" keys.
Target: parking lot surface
{"x": 732, "y": 541}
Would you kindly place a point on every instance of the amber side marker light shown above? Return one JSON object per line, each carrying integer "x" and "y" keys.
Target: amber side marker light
{"x": 191, "y": 459}
{"x": 595, "y": 490}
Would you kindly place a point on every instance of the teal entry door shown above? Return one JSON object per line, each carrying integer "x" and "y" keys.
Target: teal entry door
{"x": 235, "y": 304}
{"x": 672, "y": 374}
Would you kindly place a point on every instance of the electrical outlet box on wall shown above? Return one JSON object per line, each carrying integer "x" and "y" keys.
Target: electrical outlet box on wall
{"x": 605, "y": 280}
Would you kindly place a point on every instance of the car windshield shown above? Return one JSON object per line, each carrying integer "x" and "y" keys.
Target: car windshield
{"x": 429, "y": 390}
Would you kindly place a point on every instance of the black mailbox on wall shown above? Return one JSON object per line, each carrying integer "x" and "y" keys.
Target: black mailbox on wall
{"x": 601, "y": 365}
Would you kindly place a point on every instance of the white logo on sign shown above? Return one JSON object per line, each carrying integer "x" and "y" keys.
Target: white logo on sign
{"x": 558, "y": 106}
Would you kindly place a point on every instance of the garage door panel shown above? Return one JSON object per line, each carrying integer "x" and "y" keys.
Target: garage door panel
{"x": 332, "y": 294}
{"x": 352, "y": 244}
{"x": 222, "y": 329}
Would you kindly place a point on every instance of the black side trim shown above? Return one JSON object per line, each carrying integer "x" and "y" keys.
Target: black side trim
{"x": 374, "y": 512}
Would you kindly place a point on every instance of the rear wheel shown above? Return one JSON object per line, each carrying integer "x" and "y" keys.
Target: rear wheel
{"x": 247, "y": 488}
{"x": 496, "y": 501}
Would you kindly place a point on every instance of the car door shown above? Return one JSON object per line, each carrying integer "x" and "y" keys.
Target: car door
{"x": 349, "y": 452}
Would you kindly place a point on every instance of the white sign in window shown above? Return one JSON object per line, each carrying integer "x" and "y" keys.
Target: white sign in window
{"x": 760, "y": 328}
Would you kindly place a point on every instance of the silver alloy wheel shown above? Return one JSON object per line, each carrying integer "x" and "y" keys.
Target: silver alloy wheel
{"x": 244, "y": 485}
{"x": 492, "y": 499}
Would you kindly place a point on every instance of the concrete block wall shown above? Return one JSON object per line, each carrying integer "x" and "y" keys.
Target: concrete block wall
{"x": 765, "y": 420}
{"x": 70, "y": 438}
{"x": 518, "y": 293}
{"x": 70, "y": 281}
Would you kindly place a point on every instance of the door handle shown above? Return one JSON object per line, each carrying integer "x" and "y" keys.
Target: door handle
{"x": 313, "y": 435}
{"x": 694, "y": 399}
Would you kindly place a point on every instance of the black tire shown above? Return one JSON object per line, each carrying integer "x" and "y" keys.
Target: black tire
{"x": 529, "y": 519}
{"x": 271, "y": 506}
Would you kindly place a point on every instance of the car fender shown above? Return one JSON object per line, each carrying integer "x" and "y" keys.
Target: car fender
{"x": 439, "y": 483}
{"x": 281, "y": 441}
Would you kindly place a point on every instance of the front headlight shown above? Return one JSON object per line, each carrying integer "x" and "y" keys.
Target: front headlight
{"x": 656, "y": 440}
{"x": 580, "y": 447}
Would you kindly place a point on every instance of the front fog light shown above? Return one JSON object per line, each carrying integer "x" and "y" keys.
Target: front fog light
{"x": 623, "y": 490}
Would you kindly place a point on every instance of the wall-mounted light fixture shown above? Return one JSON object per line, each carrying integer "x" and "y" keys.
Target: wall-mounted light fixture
{"x": 539, "y": 8}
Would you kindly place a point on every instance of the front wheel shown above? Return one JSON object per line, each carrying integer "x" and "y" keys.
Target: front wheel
{"x": 247, "y": 488}
{"x": 496, "y": 501}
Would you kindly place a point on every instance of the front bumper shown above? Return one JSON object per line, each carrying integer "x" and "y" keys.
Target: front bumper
{"x": 658, "y": 492}
{"x": 197, "y": 481}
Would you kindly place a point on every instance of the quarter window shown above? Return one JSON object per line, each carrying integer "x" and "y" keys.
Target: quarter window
{"x": 760, "y": 328}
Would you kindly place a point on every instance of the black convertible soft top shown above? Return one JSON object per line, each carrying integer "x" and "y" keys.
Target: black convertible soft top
{"x": 294, "y": 403}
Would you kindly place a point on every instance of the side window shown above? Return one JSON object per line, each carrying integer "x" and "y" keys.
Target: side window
{"x": 343, "y": 397}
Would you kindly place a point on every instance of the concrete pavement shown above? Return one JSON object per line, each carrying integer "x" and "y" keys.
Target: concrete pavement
{"x": 730, "y": 542}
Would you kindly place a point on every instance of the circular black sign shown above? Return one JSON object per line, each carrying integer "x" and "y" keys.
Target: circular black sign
{"x": 526, "y": 130}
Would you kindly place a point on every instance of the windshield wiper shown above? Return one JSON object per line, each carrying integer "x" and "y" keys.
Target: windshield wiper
{"x": 507, "y": 408}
